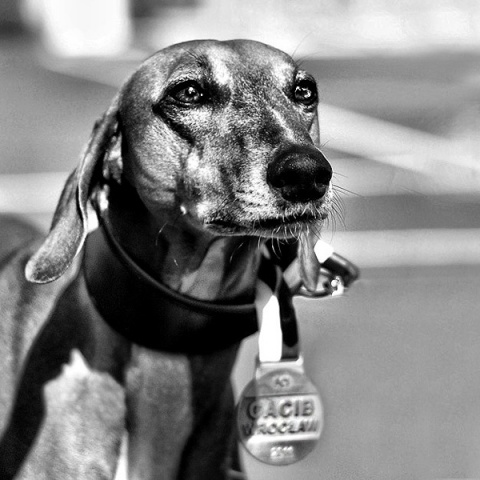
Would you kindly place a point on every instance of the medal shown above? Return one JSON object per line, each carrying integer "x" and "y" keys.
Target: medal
{"x": 279, "y": 413}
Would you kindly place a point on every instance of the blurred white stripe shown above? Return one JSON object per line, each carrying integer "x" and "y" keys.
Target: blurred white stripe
{"x": 30, "y": 192}
{"x": 401, "y": 248}
{"x": 393, "y": 144}
{"x": 367, "y": 178}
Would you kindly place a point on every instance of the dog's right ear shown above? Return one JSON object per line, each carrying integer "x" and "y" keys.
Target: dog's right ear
{"x": 70, "y": 223}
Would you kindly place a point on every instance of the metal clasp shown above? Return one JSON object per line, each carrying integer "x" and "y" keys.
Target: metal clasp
{"x": 336, "y": 274}
{"x": 328, "y": 285}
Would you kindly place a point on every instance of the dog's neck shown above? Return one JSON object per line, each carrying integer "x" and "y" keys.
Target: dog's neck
{"x": 183, "y": 257}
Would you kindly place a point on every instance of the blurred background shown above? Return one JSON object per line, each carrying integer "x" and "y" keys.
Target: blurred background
{"x": 397, "y": 360}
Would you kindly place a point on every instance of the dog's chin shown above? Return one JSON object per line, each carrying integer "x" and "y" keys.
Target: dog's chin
{"x": 282, "y": 227}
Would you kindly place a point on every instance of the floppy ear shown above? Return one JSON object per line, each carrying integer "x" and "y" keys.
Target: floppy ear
{"x": 70, "y": 223}
{"x": 309, "y": 265}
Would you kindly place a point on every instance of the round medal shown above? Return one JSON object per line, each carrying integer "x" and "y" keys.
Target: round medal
{"x": 280, "y": 414}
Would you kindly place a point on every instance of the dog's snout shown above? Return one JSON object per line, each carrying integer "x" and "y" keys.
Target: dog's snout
{"x": 300, "y": 175}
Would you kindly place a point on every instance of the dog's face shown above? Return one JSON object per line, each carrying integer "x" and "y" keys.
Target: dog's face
{"x": 224, "y": 132}
{"x": 218, "y": 136}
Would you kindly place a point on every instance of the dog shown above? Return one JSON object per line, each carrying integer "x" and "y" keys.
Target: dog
{"x": 127, "y": 334}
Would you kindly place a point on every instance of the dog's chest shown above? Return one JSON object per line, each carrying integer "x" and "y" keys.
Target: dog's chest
{"x": 170, "y": 398}
{"x": 177, "y": 386}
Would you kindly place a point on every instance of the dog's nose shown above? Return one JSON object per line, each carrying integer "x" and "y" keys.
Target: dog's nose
{"x": 300, "y": 174}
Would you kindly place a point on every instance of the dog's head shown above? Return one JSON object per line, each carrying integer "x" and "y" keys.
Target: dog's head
{"x": 225, "y": 132}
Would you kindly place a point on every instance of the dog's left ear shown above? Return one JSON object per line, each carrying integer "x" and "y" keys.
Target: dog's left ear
{"x": 309, "y": 265}
{"x": 70, "y": 221}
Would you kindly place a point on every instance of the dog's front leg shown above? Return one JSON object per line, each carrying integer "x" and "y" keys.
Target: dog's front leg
{"x": 208, "y": 453}
{"x": 211, "y": 447}
{"x": 159, "y": 413}
{"x": 67, "y": 419}
{"x": 82, "y": 427}
{"x": 180, "y": 415}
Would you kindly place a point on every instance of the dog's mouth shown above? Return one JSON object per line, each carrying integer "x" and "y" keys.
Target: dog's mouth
{"x": 255, "y": 215}
{"x": 283, "y": 226}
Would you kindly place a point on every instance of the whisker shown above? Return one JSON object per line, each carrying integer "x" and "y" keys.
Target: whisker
{"x": 302, "y": 59}
{"x": 235, "y": 250}
{"x": 346, "y": 191}
{"x": 160, "y": 230}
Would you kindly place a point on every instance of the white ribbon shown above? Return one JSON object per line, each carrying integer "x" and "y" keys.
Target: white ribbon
{"x": 270, "y": 336}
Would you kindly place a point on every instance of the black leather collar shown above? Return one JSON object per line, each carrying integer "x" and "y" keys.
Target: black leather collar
{"x": 150, "y": 314}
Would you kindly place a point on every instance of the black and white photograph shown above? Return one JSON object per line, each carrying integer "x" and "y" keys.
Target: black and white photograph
{"x": 239, "y": 240}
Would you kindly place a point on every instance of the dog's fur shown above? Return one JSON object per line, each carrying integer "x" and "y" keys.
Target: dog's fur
{"x": 209, "y": 149}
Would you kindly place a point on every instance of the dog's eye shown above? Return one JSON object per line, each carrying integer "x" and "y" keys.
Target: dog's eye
{"x": 305, "y": 92}
{"x": 188, "y": 93}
